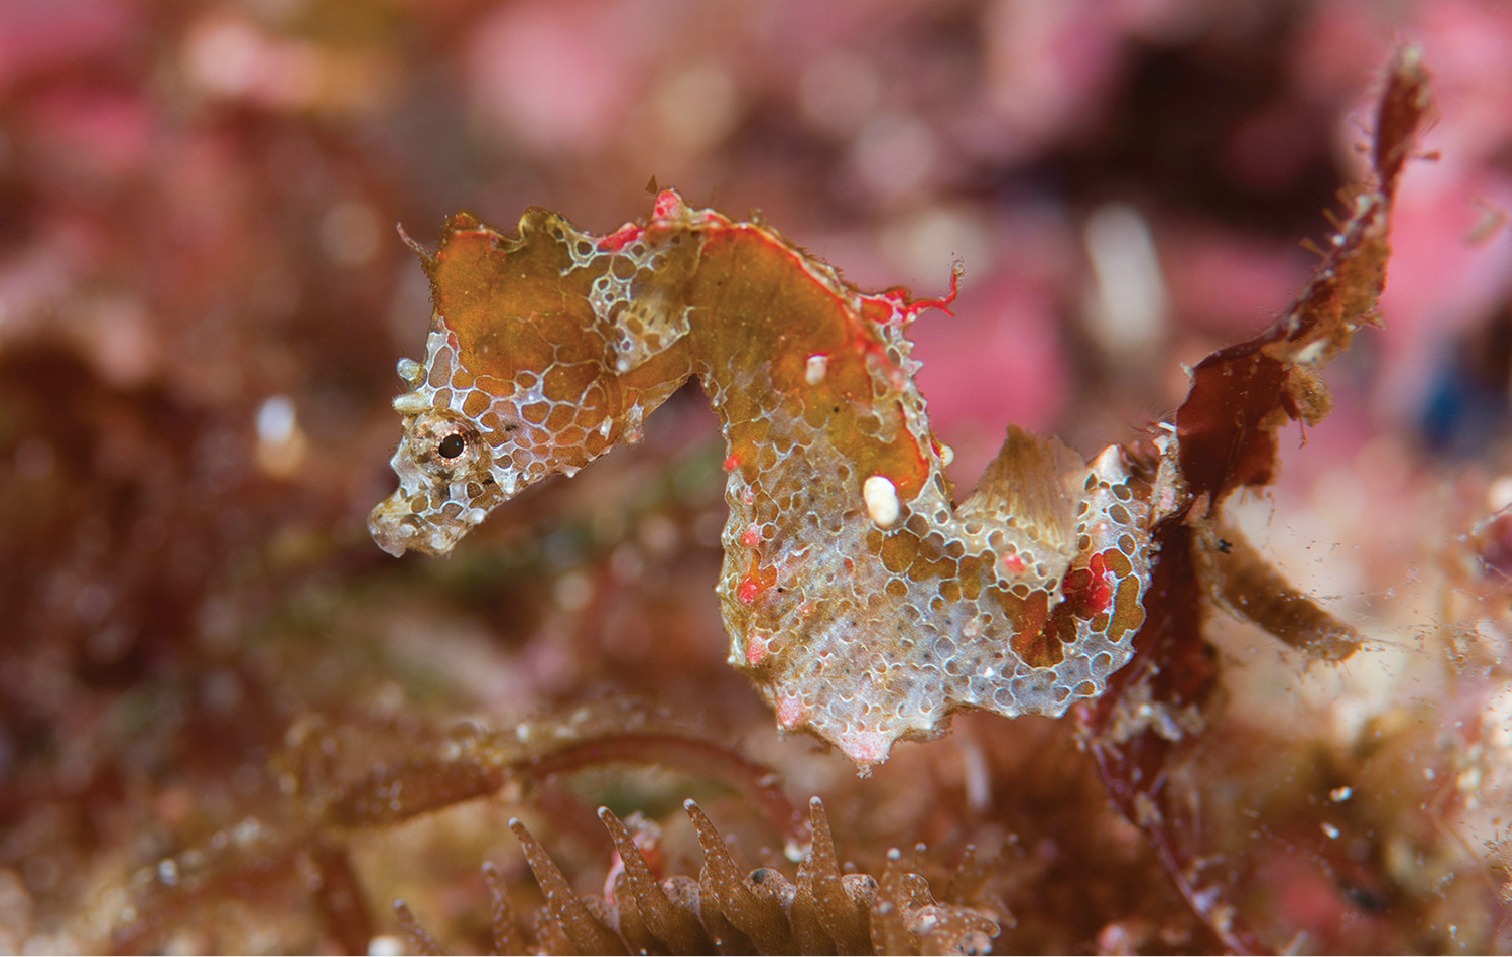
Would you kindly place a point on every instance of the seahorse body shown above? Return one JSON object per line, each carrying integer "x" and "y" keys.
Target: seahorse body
{"x": 864, "y": 604}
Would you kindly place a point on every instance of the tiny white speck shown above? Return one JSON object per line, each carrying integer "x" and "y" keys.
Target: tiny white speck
{"x": 1311, "y": 353}
{"x": 1341, "y": 794}
{"x": 1329, "y": 831}
{"x": 275, "y": 420}
{"x": 246, "y": 831}
{"x": 882, "y": 503}
{"x": 814, "y": 369}
{"x": 385, "y": 945}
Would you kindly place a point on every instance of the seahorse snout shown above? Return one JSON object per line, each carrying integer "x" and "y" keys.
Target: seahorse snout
{"x": 388, "y": 528}
{"x": 397, "y": 528}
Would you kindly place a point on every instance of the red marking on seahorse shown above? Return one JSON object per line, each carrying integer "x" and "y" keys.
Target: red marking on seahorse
{"x": 756, "y": 649}
{"x": 915, "y": 306}
{"x": 751, "y": 537}
{"x": 668, "y": 204}
{"x": 750, "y": 589}
{"x": 864, "y": 746}
{"x": 621, "y": 238}
{"x": 1087, "y": 589}
{"x": 791, "y": 711}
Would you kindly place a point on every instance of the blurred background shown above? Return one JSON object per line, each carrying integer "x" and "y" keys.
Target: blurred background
{"x": 203, "y": 296}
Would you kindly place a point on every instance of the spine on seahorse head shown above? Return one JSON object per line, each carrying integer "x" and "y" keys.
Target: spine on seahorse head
{"x": 864, "y": 603}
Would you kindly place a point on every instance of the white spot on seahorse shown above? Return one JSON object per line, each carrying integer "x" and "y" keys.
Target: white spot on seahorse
{"x": 882, "y": 503}
{"x": 814, "y": 369}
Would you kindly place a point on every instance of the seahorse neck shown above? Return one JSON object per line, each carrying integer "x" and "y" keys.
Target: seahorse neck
{"x": 793, "y": 357}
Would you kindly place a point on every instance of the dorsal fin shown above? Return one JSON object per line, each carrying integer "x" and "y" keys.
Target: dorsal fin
{"x": 1033, "y": 485}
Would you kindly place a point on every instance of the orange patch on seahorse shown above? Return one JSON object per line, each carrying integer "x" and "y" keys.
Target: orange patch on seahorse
{"x": 756, "y": 583}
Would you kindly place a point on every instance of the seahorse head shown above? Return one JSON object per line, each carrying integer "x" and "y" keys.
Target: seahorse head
{"x": 471, "y": 443}
{"x": 513, "y": 387}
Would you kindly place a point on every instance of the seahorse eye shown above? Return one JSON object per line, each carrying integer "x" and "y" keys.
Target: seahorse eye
{"x": 452, "y": 446}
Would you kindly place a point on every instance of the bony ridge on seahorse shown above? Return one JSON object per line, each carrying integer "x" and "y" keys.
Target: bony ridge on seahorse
{"x": 862, "y": 601}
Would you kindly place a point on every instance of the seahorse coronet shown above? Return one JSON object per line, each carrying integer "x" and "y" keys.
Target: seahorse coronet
{"x": 865, "y": 604}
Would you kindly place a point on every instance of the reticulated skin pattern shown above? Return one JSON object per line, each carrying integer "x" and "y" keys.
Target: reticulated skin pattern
{"x": 864, "y": 603}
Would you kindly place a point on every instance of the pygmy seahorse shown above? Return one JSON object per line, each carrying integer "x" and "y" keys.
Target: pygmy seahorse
{"x": 863, "y": 602}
